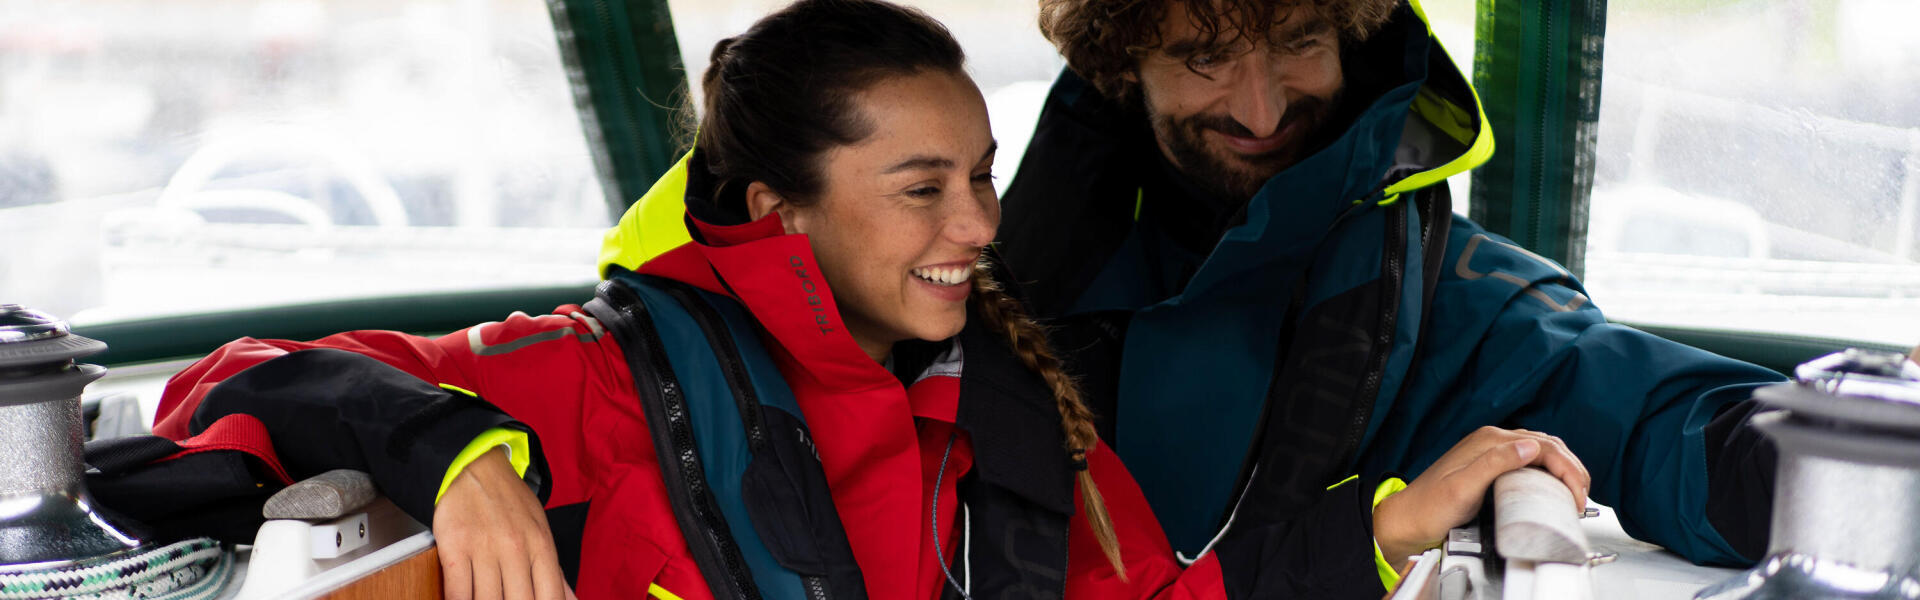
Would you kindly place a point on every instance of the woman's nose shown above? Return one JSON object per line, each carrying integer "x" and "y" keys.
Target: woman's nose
{"x": 973, "y": 221}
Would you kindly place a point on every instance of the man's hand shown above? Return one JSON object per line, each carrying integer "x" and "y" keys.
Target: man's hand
{"x": 1449, "y": 493}
{"x": 493, "y": 537}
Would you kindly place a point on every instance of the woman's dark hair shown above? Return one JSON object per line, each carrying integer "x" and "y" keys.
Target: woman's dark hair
{"x": 782, "y": 94}
{"x": 779, "y": 96}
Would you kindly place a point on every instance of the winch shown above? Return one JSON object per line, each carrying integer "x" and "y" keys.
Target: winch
{"x": 1846, "y": 509}
{"x": 54, "y": 539}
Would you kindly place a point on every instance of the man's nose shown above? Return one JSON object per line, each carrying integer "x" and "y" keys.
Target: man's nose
{"x": 1256, "y": 100}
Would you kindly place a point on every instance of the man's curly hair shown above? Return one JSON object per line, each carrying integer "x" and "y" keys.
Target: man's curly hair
{"x": 1103, "y": 40}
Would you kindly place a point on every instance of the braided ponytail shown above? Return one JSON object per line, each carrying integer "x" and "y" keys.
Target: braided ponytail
{"x": 1005, "y": 314}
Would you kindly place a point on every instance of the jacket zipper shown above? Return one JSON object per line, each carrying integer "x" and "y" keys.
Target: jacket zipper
{"x": 666, "y": 394}
{"x": 1393, "y": 263}
{"x": 728, "y": 354}
{"x": 731, "y": 366}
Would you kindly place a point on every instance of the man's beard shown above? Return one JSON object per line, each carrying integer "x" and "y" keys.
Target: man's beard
{"x": 1231, "y": 174}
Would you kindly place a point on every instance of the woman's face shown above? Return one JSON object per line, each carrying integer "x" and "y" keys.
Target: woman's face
{"x": 906, "y": 211}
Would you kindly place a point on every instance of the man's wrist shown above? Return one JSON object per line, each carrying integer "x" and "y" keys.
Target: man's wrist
{"x": 1390, "y": 549}
{"x": 1398, "y": 535}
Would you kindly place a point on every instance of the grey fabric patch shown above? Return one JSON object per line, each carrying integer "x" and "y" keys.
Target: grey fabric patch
{"x": 326, "y": 496}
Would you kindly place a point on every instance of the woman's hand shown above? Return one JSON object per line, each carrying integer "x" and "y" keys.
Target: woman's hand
{"x": 1449, "y": 493}
{"x": 493, "y": 537}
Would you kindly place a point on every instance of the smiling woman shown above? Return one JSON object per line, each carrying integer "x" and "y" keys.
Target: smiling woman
{"x": 900, "y": 237}
{"x": 886, "y": 168}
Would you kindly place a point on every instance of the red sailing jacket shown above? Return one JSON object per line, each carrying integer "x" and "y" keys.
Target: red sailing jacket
{"x": 880, "y": 443}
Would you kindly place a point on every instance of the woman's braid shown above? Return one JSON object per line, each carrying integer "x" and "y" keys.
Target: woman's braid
{"x": 1004, "y": 314}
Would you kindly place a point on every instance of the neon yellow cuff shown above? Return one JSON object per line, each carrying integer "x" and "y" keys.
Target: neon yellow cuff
{"x": 518, "y": 454}
{"x": 1388, "y": 576}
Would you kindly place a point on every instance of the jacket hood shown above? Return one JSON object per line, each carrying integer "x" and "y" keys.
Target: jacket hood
{"x": 652, "y": 225}
{"x": 1417, "y": 122}
{"x": 1447, "y": 132}
{"x": 671, "y": 233}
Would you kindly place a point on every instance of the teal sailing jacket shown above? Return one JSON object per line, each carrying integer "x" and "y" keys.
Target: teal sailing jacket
{"x": 1347, "y": 321}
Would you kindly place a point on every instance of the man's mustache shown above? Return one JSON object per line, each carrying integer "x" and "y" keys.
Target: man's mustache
{"x": 1221, "y": 123}
{"x": 1306, "y": 109}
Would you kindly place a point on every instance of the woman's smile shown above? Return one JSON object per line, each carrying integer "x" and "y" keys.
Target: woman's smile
{"x": 946, "y": 281}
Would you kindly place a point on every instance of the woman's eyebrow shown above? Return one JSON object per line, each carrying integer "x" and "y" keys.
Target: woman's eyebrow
{"x": 918, "y": 163}
{"x": 931, "y": 162}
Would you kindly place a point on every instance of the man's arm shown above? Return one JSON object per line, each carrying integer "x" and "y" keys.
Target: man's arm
{"x": 1515, "y": 341}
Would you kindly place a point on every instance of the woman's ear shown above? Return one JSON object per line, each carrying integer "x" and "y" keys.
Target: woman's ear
{"x": 761, "y": 199}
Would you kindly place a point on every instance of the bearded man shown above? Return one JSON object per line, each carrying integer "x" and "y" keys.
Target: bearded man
{"x": 1233, "y": 213}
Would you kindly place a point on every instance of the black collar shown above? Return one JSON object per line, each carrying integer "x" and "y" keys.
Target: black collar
{"x": 1010, "y": 413}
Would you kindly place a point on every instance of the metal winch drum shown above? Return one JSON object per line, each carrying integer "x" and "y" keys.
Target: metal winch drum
{"x": 46, "y": 516}
{"x": 55, "y": 540}
{"x": 1846, "y": 512}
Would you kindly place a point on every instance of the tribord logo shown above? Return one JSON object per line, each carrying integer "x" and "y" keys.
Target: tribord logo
{"x": 817, "y": 306}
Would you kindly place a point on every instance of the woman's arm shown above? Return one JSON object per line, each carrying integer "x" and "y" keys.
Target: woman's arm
{"x": 401, "y": 407}
{"x": 328, "y": 409}
{"x": 539, "y": 370}
{"x": 493, "y": 537}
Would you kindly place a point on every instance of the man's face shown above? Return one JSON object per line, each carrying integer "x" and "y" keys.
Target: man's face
{"x": 1232, "y": 116}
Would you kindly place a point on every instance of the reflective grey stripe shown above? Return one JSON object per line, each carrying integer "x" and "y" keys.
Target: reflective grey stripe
{"x": 592, "y": 324}
{"x": 1465, "y": 271}
{"x": 481, "y": 348}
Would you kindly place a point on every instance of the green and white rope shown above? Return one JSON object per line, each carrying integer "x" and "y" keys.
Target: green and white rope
{"x": 194, "y": 569}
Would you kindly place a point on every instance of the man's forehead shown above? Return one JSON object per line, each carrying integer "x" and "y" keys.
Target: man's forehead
{"x": 1197, "y": 25}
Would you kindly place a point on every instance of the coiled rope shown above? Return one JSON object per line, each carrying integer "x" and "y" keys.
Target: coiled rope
{"x": 195, "y": 569}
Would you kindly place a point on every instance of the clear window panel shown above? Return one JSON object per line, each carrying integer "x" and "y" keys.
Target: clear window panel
{"x": 1759, "y": 167}
{"x": 162, "y": 157}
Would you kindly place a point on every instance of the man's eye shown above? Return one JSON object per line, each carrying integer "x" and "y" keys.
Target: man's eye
{"x": 1209, "y": 60}
{"x": 1304, "y": 45}
{"x": 924, "y": 192}
{"x": 984, "y": 177}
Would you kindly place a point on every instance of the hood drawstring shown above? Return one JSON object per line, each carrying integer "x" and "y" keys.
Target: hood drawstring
{"x": 937, "y": 554}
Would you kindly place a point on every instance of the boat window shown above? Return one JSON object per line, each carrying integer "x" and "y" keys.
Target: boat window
{"x": 1759, "y": 167}
{"x": 163, "y": 157}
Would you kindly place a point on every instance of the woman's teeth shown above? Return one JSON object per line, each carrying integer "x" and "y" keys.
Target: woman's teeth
{"x": 944, "y": 275}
